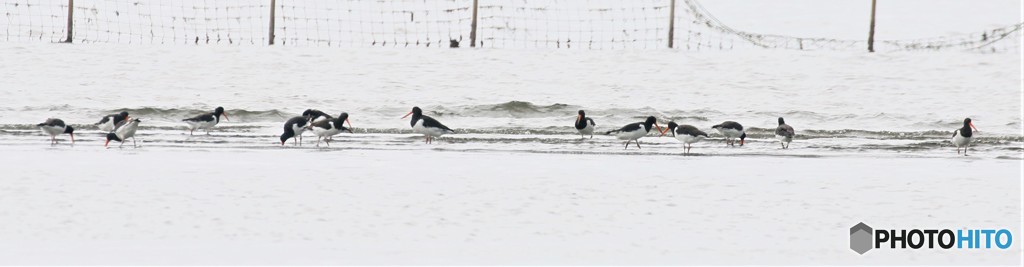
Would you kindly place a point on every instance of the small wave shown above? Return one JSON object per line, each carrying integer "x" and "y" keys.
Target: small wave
{"x": 177, "y": 114}
{"x": 514, "y": 109}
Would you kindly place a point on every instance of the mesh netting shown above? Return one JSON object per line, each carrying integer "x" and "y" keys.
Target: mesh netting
{"x": 560, "y": 24}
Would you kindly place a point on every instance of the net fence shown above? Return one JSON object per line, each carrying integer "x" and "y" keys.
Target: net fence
{"x": 560, "y": 24}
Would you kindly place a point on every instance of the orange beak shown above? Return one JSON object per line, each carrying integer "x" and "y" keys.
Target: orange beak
{"x": 107, "y": 143}
{"x": 741, "y": 142}
{"x": 407, "y": 114}
{"x": 663, "y": 132}
{"x": 349, "y": 123}
{"x": 225, "y": 114}
{"x": 659, "y": 128}
{"x": 975, "y": 128}
{"x": 578, "y": 118}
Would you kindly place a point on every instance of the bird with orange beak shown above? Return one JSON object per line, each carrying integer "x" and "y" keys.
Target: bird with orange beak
{"x": 688, "y": 134}
{"x": 124, "y": 132}
{"x": 634, "y": 131}
{"x": 326, "y": 129}
{"x": 584, "y": 124}
{"x": 55, "y": 127}
{"x": 962, "y": 136}
{"x": 205, "y": 121}
{"x": 426, "y": 125}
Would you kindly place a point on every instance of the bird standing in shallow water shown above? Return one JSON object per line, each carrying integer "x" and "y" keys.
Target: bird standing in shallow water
{"x": 124, "y": 132}
{"x": 55, "y": 127}
{"x": 205, "y": 121}
{"x": 784, "y": 133}
{"x": 731, "y": 130}
{"x": 426, "y": 125}
{"x": 634, "y": 131}
{"x": 962, "y": 136}
{"x": 293, "y": 128}
{"x": 584, "y": 124}
{"x": 110, "y": 122}
{"x": 685, "y": 133}
{"x": 327, "y": 128}
{"x": 314, "y": 114}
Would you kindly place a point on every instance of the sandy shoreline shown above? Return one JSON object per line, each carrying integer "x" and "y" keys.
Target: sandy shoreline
{"x": 288, "y": 206}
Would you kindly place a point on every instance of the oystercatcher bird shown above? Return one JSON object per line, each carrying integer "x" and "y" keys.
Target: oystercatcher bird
{"x": 731, "y": 130}
{"x": 313, "y": 114}
{"x": 685, "y": 133}
{"x": 784, "y": 133}
{"x": 426, "y": 125}
{"x": 124, "y": 132}
{"x": 634, "y": 131}
{"x": 55, "y": 127}
{"x": 205, "y": 121}
{"x": 294, "y": 128}
{"x": 327, "y": 128}
{"x": 585, "y": 125}
{"x": 962, "y": 136}
{"x": 110, "y": 122}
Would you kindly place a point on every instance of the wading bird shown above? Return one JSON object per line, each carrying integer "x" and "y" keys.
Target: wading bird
{"x": 784, "y": 133}
{"x": 55, "y": 127}
{"x": 962, "y": 136}
{"x": 205, "y": 121}
{"x": 327, "y": 128}
{"x": 426, "y": 125}
{"x": 685, "y": 133}
{"x": 634, "y": 131}
{"x": 584, "y": 125}
{"x": 731, "y": 130}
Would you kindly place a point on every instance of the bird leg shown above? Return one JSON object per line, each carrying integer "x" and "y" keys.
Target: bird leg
{"x": 318, "y": 141}
{"x": 637, "y": 143}
{"x": 965, "y": 149}
{"x": 133, "y": 142}
{"x": 190, "y": 131}
{"x": 627, "y": 144}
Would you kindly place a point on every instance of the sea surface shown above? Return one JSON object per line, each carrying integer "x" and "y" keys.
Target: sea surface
{"x": 840, "y": 103}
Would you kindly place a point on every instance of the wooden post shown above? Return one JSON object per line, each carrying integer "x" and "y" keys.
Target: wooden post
{"x": 472, "y": 32}
{"x": 71, "y": 18}
{"x": 273, "y": 6}
{"x": 871, "y": 33}
{"x": 671, "y": 23}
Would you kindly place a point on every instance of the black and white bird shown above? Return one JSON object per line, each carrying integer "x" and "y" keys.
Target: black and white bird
{"x": 584, "y": 124}
{"x": 634, "y": 131}
{"x": 731, "y": 130}
{"x": 124, "y": 132}
{"x": 784, "y": 133}
{"x": 325, "y": 129}
{"x": 293, "y": 128}
{"x": 426, "y": 125}
{"x": 110, "y": 122}
{"x": 314, "y": 114}
{"x": 962, "y": 136}
{"x": 685, "y": 133}
{"x": 55, "y": 127}
{"x": 205, "y": 121}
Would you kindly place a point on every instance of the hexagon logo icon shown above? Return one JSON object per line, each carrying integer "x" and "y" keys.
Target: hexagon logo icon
{"x": 860, "y": 238}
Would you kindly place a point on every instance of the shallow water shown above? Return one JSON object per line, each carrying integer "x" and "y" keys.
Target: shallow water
{"x": 899, "y": 104}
